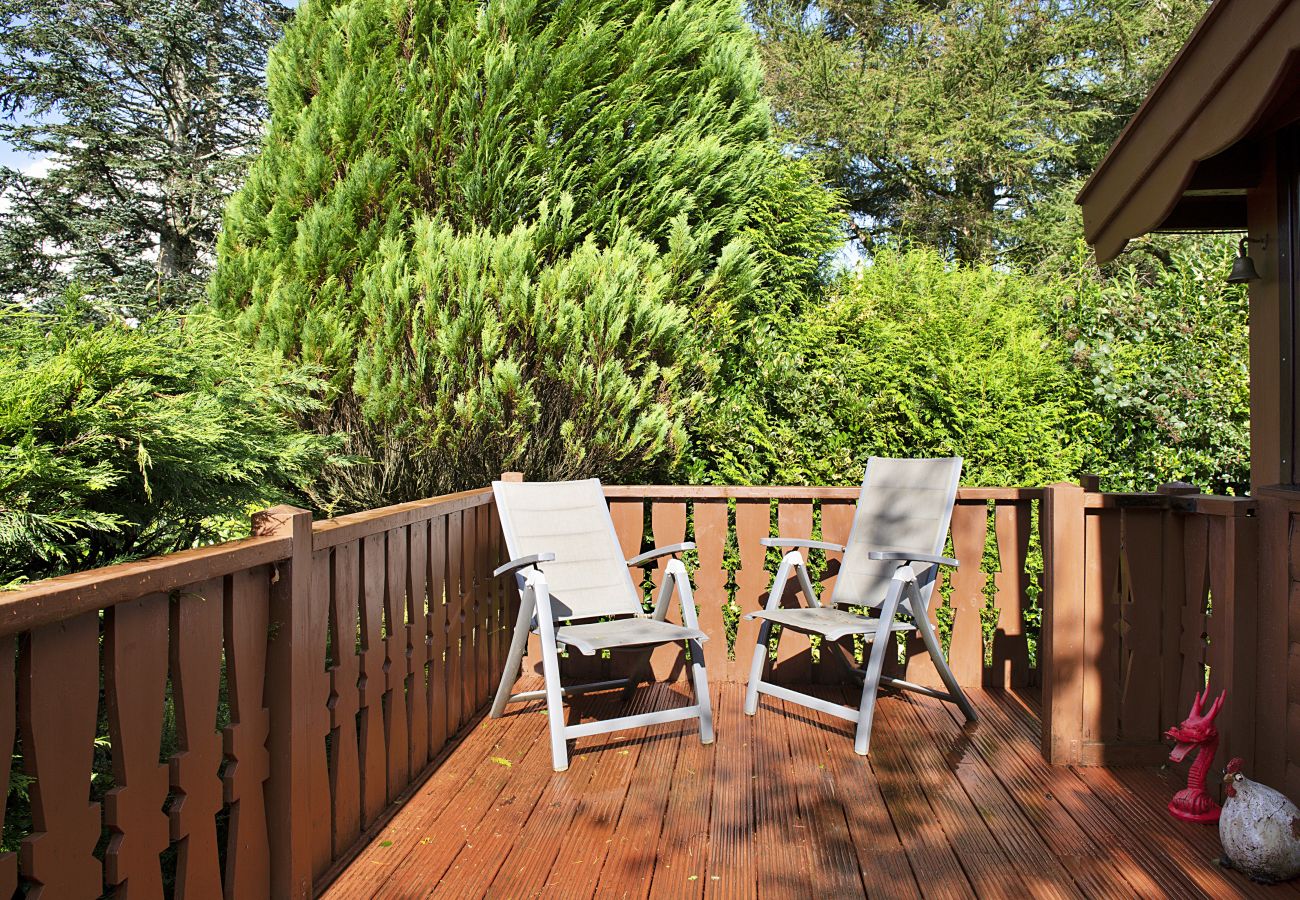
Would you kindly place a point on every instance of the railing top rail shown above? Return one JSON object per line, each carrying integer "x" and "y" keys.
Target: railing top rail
{"x": 682, "y": 492}
{"x": 55, "y": 599}
{"x": 342, "y": 529}
{"x": 1202, "y": 504}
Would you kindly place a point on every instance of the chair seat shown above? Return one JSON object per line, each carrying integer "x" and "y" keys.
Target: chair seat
{"x": 635, "y": 632}
{"x": 830, "y": 622}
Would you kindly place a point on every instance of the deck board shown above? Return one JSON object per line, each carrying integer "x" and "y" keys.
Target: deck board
{"x": 780, "y": 806}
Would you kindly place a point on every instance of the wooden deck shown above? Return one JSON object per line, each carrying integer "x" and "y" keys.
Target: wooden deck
{"x": 781, "y": 807}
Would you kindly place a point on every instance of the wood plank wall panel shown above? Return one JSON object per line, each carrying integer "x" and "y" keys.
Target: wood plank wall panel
{"x": 711, "y": 532}
{"x": 794, "y": 519}
{"x": 418, "y": 644}
{"x": 322, "y": 841}
{"x": 8, "y": 732}
{"x": 58, "y": 694}
{"x": 135, "y": 690}
{"x": 396, "y": 735}
{"x": 439, "y": 729}
{"x": 969, "y": 531}
{"x": 345, "y": 697}
{"x": 197, "y": 622}
{"x": 1010, "y": 650}
{"x": 667, "y": 527}
{"x": 248, "y": 765}
{"x": 837, "y": 521}
{"x": 373, "y": 765}
{"x": 1138, "y": 684}
{"x": 753, "y": 523}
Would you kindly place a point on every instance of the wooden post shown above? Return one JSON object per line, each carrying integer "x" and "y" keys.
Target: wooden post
{"x": 1061, "y": 642}
{"x": 512, "y": 476}
{"x": 290, "y": 805}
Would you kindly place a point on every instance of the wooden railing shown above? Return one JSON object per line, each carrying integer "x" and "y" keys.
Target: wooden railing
{"x": 1150, "y": 597}
{"x": 295, "y": 683}
{"x": 991, "y": 534}
{"x": 252, "y": 712}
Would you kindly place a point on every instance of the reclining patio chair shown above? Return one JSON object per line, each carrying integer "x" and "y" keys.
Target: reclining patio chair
{"x": 888, "y": 568}
{"x": 577, "y": 594}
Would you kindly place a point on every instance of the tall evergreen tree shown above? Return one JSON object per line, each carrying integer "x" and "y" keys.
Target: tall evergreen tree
{"x": 521, "y": 232}
{"x": 946, "y": 122}
{"x": 145, "y": 114}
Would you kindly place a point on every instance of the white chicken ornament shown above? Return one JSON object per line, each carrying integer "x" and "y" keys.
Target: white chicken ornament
{"x": 1259, "y": 828}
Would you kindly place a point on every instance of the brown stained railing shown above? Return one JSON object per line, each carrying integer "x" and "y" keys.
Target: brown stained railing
{"x": 1149, "y": 598}
{"x": 295, "y": 685}
{"x": 734, "y": 572}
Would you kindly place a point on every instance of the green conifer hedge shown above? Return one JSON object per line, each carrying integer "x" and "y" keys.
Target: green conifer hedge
{"x": 521, "y": 233}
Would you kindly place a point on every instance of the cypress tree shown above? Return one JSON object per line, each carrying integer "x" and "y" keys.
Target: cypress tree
{"x": 520, "y": 233}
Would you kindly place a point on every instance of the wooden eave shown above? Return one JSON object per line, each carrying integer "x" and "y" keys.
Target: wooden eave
{"x": 1189, "y": 154}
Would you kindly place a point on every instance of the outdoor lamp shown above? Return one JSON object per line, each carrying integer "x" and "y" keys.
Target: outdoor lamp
{"x": 1243, "y": 267}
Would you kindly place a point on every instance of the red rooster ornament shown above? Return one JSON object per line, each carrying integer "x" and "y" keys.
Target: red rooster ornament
{"x": 1196, "y": 732}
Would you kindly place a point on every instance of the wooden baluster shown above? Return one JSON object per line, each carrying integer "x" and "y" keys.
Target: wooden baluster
{"x": 502, "y": 622}
{"x": 417, "y": 642}
{"x": 753, "y": 523}
{"x": 629, "y": 524}
{"x": 1104, "y": 579}
{"x": 482, "y": 607}
{"x": 1196, "y": 591}
{"x": 1011, "y": 523}
{"x": 1136, "y": 680}
{"x": 248, "y": 865}
{"x": 919, "y": 668}
{"x": 438, "y": 693}
{"x": 396, "y": 733}
{"x": 455, "y": 623}
{"x": 837, "y": 520}
{"x": 794, "y": 519}
{"x": 135, "y": 688}
{"x": 711, "y": 584}
{"x": 345, "y": 697}
{"x": 966, "y": 649}
{"x": 58, "y": 698}
{"x": 374, "y": 767}
{"x": 468, "y": 643}
{"x": 196, "y": 650}
{"x": 322, "y": 803}
{"x": 667, "y": 527}
{"x": 8, "y": 731}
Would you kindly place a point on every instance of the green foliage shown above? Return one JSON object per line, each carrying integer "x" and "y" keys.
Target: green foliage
{"x": 510, "y": 228}
{"x": 946, "y": 123}
{"x": 120, "y": 442}
{"x": 909, "y": 356}
{"x": 1159, "y": 351}
{"x": 144, "y": 115}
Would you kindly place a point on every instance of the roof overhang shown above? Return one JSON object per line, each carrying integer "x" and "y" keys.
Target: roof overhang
{"x": 1190, "y": 153}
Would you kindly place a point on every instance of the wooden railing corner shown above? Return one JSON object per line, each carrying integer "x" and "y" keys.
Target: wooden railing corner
{"x": 1061, "y": 649}
{"x": 289, "y": 798}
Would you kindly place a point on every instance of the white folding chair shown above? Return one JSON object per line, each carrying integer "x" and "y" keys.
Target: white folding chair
{"x": 888, "y": 567}
{"x": 576, "y": 593}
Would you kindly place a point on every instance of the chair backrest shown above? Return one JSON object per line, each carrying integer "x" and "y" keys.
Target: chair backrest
{"x": 588, "y": 576}
{"x": 905, "y": 504}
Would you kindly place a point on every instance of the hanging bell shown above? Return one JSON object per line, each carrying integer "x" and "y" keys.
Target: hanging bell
{"x": 1243, "y": 267}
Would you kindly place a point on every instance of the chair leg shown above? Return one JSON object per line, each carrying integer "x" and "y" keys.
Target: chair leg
{"x": 555, "y": 707}
{"x": 702, "y": 698}
{"x": 514, "y": 659}
{"x": 756, "y": 668}
{"x": 931, "y": 641}
{"x": 870, "y": 687}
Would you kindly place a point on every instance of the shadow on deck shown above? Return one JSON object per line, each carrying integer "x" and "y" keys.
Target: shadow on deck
{"x": 781, "y": 807}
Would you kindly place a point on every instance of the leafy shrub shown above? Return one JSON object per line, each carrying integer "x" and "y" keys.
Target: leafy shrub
{"x": 909, "y": 356}
{"x": 1159, "y": 353}
{"x": 118, "y": 442}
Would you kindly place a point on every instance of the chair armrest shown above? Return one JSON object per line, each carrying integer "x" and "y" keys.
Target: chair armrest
{"x": 801, "y": 542}
{"x": 522, "y": 562}
{"x": 913, "y": 556}
{"x": 660, "y": 551}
